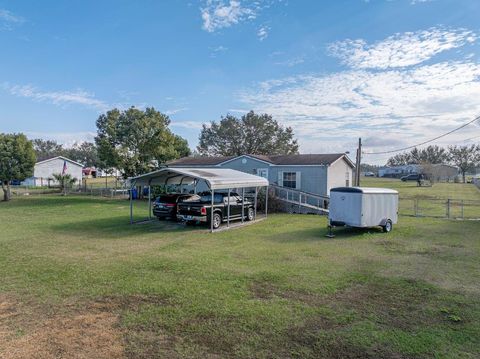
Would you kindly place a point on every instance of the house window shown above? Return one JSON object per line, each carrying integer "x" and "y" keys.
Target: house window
{"x": 347, "y": 179}
{"x": 290, "y": 179}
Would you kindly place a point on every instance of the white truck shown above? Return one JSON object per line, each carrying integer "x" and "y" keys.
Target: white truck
{"x": 363, "y": 207}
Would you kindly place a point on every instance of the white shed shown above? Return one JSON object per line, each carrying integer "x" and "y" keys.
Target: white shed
{"x": 44, "y": 170}
{"x": 363, "y": 207}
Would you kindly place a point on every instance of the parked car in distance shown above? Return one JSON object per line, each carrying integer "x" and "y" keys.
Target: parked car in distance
{"x": 166, "y": 205}
{"x": 198, "y": 209}
{"x": 369, "y": 174}
{"x": 410, "y": 177}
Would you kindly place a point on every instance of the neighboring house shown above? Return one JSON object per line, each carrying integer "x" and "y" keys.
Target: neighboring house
{"x": 312, "y": 173}
{"x": 439, "y": 172}
{"x": 44, "y": 170}
{"x": 398, "y": 171}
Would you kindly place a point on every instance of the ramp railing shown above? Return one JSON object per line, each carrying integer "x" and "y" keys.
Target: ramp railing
{"x": 301, "y": 201}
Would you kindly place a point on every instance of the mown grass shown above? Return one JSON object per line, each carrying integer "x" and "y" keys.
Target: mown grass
{"x": 278, "y": 288}
{"x": 432, "y": 201}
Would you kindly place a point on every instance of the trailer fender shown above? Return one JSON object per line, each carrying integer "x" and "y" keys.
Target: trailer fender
{"x": 383, "y": 222}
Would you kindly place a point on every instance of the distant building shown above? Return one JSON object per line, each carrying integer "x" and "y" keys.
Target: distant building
{"x": 398, "y": 171}
{"x": 44, "y": 170}
{"x": 438, "y": 172}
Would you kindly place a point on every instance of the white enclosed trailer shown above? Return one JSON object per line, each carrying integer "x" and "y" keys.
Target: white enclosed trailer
{"x": 363, "y": 207}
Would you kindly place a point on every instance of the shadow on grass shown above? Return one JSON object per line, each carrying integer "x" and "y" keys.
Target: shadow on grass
{"x": 119, "y": 227}
{"x": 56, "y": 199}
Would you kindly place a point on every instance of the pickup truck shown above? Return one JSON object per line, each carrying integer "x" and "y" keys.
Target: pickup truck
{"x": 166, "y": 205}
{"x": 198, "y": 208}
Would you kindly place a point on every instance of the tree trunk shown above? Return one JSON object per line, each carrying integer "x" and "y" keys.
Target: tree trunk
{"x": 463, "y": 176}
{"x": 6, "y": 191}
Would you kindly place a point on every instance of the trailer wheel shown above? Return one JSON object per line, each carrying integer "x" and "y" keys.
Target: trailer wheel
{"x": 388, "y": 226}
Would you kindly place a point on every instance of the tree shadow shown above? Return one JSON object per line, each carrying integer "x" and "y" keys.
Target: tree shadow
{"x": 120, "y": 227}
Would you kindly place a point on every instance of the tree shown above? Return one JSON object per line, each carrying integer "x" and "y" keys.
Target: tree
{"x": 66, "y": 181}
{"x": 466, "y": 158}
{"x": 431, "y": 154}
{"x": 17, "y": 159}
{"x": 181, "y": 146}
{"x": 136, "y": 141}
{"x": 45, "y": 149}
{"x": 256, "y": 134}
{"x": 86, "y": 153}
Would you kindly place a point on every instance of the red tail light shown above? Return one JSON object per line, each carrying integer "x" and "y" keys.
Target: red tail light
{"x": 203, "y": 211}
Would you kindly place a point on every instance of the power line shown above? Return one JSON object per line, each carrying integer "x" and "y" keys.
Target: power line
{"x": 425, "y": 142}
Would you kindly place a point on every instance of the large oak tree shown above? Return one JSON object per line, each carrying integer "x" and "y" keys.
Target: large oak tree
{"x": 256, "y": 134}
{"x": 136, "y": 141}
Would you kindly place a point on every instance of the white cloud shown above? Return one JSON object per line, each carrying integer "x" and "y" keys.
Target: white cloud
{"x": 65, "y": 138}
{"x": 175, "y": 111}
{"x": 218, "y": 14}
{"x": 262, "y": 32}
{"x": 8, "y": 20}
{"x": 187, "y": 124}
{"x": 291, "y": 62}
{"x": 328, "y": 112}
{"x": 400, "y": 50}
{"x": 215, "y": 51}
{"x": 60, "y": 98}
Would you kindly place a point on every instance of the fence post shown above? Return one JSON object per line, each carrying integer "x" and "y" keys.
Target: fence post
{"x": 415, "y": 207}
{"x": 462, "y": 208}
{"x": 448, "y": 208}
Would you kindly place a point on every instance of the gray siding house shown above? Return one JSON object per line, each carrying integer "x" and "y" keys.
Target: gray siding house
{"x": 312, "y": 173}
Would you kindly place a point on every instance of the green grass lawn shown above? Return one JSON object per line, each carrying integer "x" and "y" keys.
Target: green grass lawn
{"x": 72, "y": 267}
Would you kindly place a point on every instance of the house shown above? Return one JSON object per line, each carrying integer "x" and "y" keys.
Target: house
{"x": 398, "y": 171}
{"x": 438, "y": 172}
{"x": 44, "y": 170}
{"x": 312, "y": 173}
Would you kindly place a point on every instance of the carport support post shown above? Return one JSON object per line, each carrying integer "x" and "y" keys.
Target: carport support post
{"x": 255, "y": 204}
{"x": 228, "y": 209}
{"x": 149, "y": 202}
{"x": 131, "y": 205}
{"x": 243, "y": 201}
{"x": 211, "y": 212}
{"x": 266, "y": 202}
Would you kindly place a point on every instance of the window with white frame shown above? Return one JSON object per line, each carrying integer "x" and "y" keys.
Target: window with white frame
{"x": 290, "y": 179}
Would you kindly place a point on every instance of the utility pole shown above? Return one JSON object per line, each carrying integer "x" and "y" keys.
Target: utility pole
{"x": 358, "y": 162}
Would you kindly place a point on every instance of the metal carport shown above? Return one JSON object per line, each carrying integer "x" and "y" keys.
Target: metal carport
{"x": 215, "y": 179}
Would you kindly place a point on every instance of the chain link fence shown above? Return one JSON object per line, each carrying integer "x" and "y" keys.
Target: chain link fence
{"x": 439, "y": 208}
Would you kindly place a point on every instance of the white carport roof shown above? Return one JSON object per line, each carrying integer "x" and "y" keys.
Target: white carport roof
{"x": 216, "y": 178}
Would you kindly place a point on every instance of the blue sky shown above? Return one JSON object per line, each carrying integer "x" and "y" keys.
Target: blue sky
{"x": 393, "y": 72}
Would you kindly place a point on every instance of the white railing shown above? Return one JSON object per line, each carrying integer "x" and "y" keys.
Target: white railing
{"x": 302, "y": 199}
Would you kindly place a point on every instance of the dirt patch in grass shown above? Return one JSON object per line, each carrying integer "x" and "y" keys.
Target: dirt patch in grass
{"x": 405, "y": 305}
{"x": 73, "y": 329}
{"x": 33, "y": 332}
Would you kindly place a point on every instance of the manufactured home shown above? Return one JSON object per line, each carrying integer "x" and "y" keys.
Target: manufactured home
{"x": 311, "y": 173}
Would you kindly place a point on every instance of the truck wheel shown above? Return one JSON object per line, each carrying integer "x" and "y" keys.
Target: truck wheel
{"x": 217, "y": 220}
{"x": 250, "y": 214}
{"x": 388, "y": 226}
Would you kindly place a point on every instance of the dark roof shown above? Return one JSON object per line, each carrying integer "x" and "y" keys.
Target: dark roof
{"x": 301, "y": 159}
{"x": 199, "y": 161}
{"x": 306, "y": 159}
